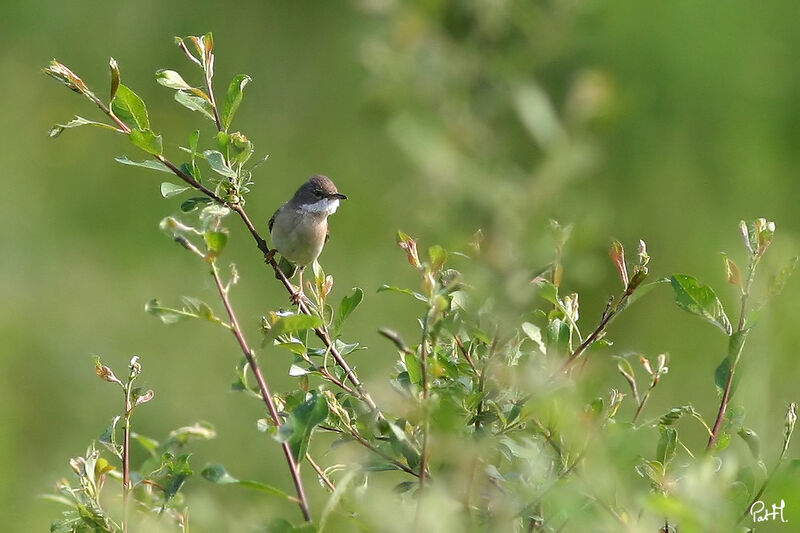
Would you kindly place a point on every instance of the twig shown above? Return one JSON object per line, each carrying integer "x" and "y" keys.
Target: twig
{"x": 294, "y": 468}
{"x": 126, "y": 453}
{"x": 726, "y": 395}
{"x": 361, "y": 440}
{"x": 423, "y": 460}
{"x": 325, "y": 479}
{"x": 608, "y": 315}
{"x": 478, "y": 375}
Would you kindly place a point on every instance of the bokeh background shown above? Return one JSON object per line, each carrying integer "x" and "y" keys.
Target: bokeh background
{"x": 663, "y": 121}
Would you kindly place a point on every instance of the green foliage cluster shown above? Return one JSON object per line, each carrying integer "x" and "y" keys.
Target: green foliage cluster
{"x": 487, "y": 428}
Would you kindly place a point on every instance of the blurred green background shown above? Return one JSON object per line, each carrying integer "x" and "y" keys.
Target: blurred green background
{"x": 663, "y": 121}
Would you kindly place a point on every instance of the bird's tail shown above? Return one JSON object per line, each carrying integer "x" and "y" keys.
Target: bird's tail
{"x": 286, "y": 267}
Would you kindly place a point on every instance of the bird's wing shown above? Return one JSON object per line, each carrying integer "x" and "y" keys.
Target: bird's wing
{"x": 272, "y": 221}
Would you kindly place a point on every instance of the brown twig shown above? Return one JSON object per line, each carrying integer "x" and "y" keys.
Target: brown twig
{"x": 728, "y": 391}
{"x": 608, "y": 315}
{"x": 479, "y": 375}
{"x": 325, "y": 479}
{"x": 126, "y": 460}
{"x": 294, "y": 468}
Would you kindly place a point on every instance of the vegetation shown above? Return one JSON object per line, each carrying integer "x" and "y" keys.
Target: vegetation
{"x": 493, "y": 422}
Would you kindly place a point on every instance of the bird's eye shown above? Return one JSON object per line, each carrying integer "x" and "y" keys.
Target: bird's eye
{"x": 318, "y": 193}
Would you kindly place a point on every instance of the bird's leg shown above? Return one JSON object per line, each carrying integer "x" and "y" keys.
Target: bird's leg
{"x": 299, "y": 295}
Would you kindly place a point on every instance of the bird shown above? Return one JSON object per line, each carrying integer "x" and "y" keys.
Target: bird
{"x": 299, "y": 228}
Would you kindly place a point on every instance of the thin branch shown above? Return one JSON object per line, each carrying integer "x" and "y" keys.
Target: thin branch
{"x": 479, "y": 375}
{"x": 423, "y": 460}
{"x": 325, "y": 479}
{"x": 726, "y": 395}
{"x": 608, "y": 315}
{"x": 294, "y": 468}
{"x": 356, "y": 435}
{"x": 126, "y": 460}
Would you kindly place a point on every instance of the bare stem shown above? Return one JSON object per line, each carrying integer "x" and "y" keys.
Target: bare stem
{"x": 210, "y": 88}
{"x": 610, "y": 313}
{"x": 325, "y": 479}
{"x": 734, "y": 358}
{"x": 423, "y": 460}
{"x": 423, "y": 457}
{"x": 641, "y": 406}
{"x": 126, "y": 453}
{"x": 356, "y": 435}
{"x": 478, "y": 375}
{"x": 294, "y": 468}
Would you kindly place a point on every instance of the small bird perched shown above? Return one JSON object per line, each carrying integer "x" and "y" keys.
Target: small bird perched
{"x": 299, "y": 228}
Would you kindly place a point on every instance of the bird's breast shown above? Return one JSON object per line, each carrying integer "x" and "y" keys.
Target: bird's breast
{"x": 299, "y": 236}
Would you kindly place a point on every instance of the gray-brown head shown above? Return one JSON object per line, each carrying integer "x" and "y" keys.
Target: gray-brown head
{"x": 317, "y": 194}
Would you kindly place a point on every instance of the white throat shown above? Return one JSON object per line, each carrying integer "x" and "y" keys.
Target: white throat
{"x": 326, "y": 206}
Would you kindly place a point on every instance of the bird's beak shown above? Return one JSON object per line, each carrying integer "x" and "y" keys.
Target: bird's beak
{"x": 339, "y": 196}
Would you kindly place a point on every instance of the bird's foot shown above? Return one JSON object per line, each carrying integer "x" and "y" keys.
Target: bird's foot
{"x": 298, "y": 296}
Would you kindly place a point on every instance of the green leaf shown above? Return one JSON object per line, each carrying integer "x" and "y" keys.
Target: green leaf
{"x": 223, "y": 138}
{"x": 391, "y": 288}
{"x": 653, "y": 471}
{"x": 168, "y": 190}
{"x": 233, "y": 98}
{"x": 179, "y": 473}
{"x": 534, "y": 333}
{"x": 347, "y": 306}
{"x": 751, "y": 439}
{"x": 778, "y": 282}
{"x": 413, "y": 367}
{"x": 438, "y": 257}
{"x": 721, "y": 375}
{"x": 192, "y": 308}
{"x": 301, "y": 422}
{"x": 193, "y": 203}
{"x": 217, "y": 163}
{"x": 147, "y": 141}
{"x": 130, "y": 109}
{"x": 675, "y": 414}
{"x": 165, "y": 314}
{"x": 109, "y": 437}
{"x": 667, "y": 444}
{"x": 723, "y": 371}
{"x": 171, "y": 79}
{"x": 736, "y": 344}
{"x": 547, "y": 291}
{"x": 151, "y": 164}
{"x": 56, "y": 130}
{"x": 723, "y": 441}
{"x": 194, "y": 138}
{"x": 557, "y": 333}
{"x": 291, "y": 323}
{"x": 195, "y": 103}
{"x": 216, "y": 241}
{"x": 700, "y": 300}
{"x": 219, "y": 475}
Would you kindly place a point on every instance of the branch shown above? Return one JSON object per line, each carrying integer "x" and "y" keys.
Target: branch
{"x": 294, "y": 468}
{"x": 609, "y": 314}
{"x": 726, "y": 395}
